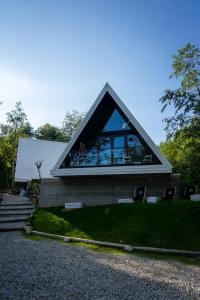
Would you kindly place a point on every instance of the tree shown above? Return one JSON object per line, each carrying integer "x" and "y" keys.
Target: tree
{"x": 16, "y": 126}
{"x": 183, "y": 151}
{"x": 185, "y": 100}
{"x": 27, "y": 129}
{"x": 6, "y": 153}
{"x": 182, "y": 146}
{"x": 71, "y": 122}
{"x": 38, "y": 164}
{"x": 50, "y": 133}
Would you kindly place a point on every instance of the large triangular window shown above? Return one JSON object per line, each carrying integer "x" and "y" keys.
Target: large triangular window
{"x": 109, "y": 139}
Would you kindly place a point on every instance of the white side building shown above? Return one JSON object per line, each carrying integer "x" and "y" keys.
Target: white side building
{"x": 32, "y": 150}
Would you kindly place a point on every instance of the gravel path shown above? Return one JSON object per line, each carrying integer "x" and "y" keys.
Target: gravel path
{"x": 53, "y": 270}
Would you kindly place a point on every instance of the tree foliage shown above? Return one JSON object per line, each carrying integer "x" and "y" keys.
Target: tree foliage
{"x": 184, "y": 100}
{"x": 16, "y": 126}
{"x": 183, "y": 151}
{"x": 50, "y": 133}
{"x": 182, "y": 146}
{"x": 6, "y": 153}
{"x": 71, "y": 122}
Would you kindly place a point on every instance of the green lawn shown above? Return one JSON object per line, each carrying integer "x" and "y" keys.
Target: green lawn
{"x": 168, "y": 225}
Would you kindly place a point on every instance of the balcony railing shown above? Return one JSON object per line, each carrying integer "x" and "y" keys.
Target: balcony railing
{"x": 105, "y": 157}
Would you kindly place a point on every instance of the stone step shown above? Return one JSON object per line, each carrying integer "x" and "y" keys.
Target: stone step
{"x": 15, "y": 198}
{"x": 13, "y": 218}
{"x": 16, "y": 207}
{"x": 11, "y": 226}
{"x": 10, "y": 203}
{"x": 16, "y": 212}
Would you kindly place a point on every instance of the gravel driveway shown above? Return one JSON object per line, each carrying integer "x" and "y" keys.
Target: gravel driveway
{"x": 53, "y": 270}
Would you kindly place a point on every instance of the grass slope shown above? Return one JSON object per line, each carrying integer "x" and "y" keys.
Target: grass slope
{"x": 168, "y": 225}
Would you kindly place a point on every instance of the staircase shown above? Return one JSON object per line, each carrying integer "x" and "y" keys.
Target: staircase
{"x": 14, "y": 212}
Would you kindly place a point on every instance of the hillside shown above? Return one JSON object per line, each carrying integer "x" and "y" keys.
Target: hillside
{"x": 168, "y": 225}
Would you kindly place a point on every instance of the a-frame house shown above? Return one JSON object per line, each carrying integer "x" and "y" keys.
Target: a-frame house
{"x": 108, "y": 156}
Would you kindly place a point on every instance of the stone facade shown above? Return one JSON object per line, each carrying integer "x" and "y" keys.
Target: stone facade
{"x": 100, "y": 190}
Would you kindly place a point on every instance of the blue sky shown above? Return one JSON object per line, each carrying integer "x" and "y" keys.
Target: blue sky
{"x": 57, "y": 55}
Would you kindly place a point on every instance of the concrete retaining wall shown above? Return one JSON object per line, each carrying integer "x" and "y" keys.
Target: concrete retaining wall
{"x": 99, "y": 190}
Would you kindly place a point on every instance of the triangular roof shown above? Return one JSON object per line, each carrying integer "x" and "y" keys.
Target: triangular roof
{"x": 164, "y": 167}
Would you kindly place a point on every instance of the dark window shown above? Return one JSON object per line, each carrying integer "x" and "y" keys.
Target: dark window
{"x": 118, "y": 143}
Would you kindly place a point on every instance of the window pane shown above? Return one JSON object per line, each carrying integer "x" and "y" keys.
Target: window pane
{"x": 91, "y": 157}
{"x": 105, "y": 143}
{"x": 119, "y": 156}
{"x": 137, "y": 154}
{"x": 105, "y": 151}
{"x": 133, "y": 141}
{"x": 116, "y": 122}
{"x": 118, "y": 142}
{"x": 105, "y": 157}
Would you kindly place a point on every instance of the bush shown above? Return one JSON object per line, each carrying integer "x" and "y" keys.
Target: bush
{"x": 38, "y": 181}
{"x": 34, "y": 192}
{"x": 49, "y": 222}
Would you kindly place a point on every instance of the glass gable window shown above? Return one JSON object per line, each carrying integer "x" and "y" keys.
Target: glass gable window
{"x": 116, "y": 122}
{"x": 117, "y": 143}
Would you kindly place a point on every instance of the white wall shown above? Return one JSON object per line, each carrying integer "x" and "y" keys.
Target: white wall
{"x": 31, "y": 150}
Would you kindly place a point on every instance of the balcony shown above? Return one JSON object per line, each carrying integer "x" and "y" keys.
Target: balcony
{"x": 110, "y": 157}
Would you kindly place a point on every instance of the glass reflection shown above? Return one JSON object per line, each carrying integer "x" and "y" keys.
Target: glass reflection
{"x": 118, "y": 142}
{"x": 133, "y": 141}
{"x": 105, "y": 143}
{"x": 116, "y": 123}
{"x": 113, "y": 147}
{"x": 105, "y": 157}
{"x": 119, "y": 156}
